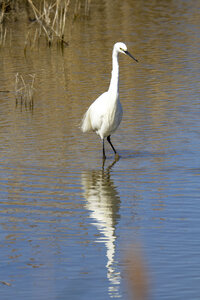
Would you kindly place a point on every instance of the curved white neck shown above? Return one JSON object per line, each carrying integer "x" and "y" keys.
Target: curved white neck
{"x": 114, "y": 82}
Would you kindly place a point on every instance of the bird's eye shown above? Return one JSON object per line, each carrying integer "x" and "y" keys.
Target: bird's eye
{"x": 121, "y": 49}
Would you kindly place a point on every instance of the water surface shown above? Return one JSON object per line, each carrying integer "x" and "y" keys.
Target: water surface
{"x": 65, "y": 222}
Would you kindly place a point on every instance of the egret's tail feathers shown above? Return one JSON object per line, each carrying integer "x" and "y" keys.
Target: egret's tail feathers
{"x": 86, "y": 123}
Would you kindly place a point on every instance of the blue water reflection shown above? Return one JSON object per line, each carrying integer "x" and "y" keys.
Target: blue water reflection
{"x": 103, "y": 202}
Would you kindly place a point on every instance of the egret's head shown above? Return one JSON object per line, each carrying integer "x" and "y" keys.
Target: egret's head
{"x": 122, "y": 48}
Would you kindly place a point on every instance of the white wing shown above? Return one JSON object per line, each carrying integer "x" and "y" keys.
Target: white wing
{"x": 92, "y": 120}
{"x": 103, "y": 116}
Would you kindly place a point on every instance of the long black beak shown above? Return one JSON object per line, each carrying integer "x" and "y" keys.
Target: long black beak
{"x": 129, "y": 54}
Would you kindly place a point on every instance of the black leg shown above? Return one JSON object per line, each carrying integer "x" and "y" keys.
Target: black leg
{"x": 104, "y": 155}
{"x": 116, "y": 154}
{"x": 109, "y": 141}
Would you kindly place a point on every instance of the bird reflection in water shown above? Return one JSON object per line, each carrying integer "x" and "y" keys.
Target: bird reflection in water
{"x": 103, "y": 202}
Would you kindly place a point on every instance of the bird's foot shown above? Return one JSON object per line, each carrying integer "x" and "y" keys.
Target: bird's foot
{"x": 117, "y": 157}
{"x": 103, "y": 161}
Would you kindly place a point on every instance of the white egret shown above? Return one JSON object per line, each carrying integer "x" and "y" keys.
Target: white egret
{"x": 105, "y": 113}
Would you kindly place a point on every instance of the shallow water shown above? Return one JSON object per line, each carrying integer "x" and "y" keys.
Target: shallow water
{"x": 66, "y": 223}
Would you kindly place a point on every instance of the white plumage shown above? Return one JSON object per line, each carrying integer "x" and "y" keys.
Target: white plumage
{"x": 105, "y": 113}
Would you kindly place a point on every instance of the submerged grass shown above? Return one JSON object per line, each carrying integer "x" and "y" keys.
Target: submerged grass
{"x": 24, "y": 90}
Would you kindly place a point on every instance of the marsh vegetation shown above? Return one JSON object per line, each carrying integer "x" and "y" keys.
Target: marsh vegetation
{"x": 24, "y": 89}
{"x": 43, "y": 19}
{"x": 44, "y": 23}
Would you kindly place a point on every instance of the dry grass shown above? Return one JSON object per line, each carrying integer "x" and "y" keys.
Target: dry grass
{"x": 24, "y": 90}
{"x": 52, "y": 19}
{"x": 3, "y": 34}
{"x": 78, "y": 8}
{"x": 3, "y": 30}
{"x": 2, "y": 11}
{"x": 48, "y": 18}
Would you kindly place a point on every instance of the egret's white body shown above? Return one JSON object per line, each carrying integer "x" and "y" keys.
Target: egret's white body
{"x": 105, "y": 113}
